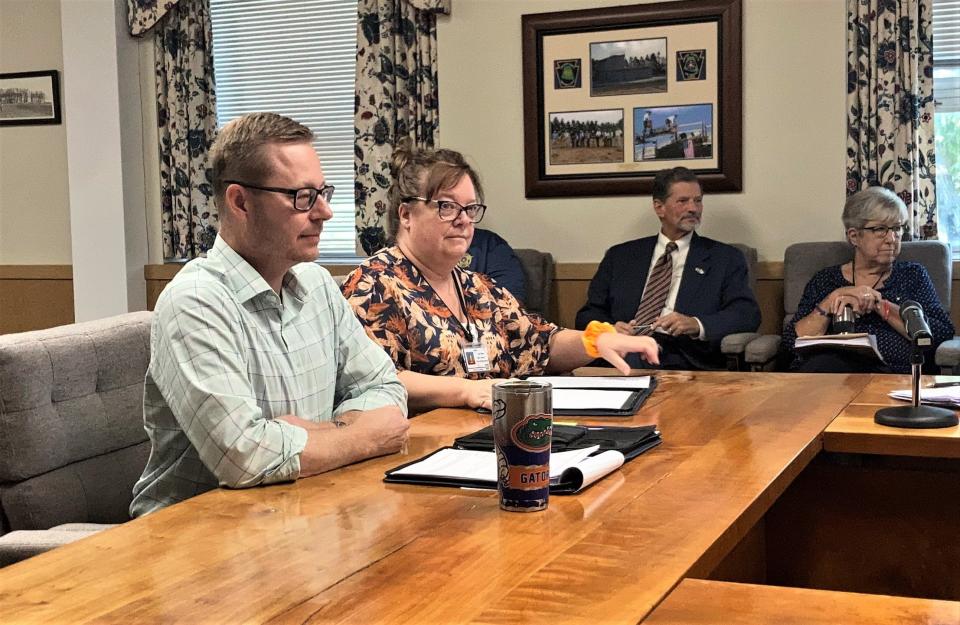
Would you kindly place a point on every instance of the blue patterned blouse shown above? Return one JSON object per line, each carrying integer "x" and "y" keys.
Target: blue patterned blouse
{"x": 907, "y": 281}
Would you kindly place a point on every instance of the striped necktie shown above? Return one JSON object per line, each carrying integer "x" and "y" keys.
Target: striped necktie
{"x": 655, "y": 293}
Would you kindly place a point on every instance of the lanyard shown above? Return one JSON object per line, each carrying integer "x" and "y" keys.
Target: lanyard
{"x": 463, "y": 305}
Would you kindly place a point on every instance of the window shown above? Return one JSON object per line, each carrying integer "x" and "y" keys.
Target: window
{"x": 295, "y": 58}
{"x": 946, "y": 91}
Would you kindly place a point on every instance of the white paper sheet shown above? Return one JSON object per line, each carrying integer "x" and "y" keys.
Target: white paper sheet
{"x": 945, "y": 396}
{"x": 468, "y": 464}
{"x": 580, "y": 399}
{"x": 854, "y": 341}
{"x": 595, "y": 382}
{"x": 591, "y": 469}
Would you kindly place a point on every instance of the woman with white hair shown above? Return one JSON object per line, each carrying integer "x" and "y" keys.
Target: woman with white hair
{"x": 874, "y": 284}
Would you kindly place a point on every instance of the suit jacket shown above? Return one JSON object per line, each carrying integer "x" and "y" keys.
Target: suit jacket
{"x": 714, "y": 288}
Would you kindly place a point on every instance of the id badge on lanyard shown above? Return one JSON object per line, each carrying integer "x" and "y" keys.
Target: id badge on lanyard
{"x": 474, "y": 354}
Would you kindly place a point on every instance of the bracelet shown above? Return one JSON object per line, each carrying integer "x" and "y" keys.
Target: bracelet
{"x": 886, "y": 309}
{"x": 592, "y": 333}
{"x": 821, "y": 311}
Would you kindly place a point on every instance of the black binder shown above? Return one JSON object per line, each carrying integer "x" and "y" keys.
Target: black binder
{"x": 630, "y": 441}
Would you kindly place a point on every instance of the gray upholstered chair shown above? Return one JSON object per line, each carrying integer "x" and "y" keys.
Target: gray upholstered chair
{"x": 72, "y": 441}
{"x": 539, "y": 272}
{"x": 802, "y": 260}
{"x": 733, "y": 345}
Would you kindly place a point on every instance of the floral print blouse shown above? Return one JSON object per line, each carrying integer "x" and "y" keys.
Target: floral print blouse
{"x": 402, "y": 312}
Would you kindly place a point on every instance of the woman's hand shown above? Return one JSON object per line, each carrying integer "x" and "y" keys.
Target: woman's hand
{"x": 613, "y": 346}
{"x": 862, "y": 299}
{"x": 477, "y": 393}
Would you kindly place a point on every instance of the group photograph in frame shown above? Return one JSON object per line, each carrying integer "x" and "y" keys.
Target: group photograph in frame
{"x": 673, "y": 71}
{"x": 586, "y": 137}
{"x": 30, "y": 98}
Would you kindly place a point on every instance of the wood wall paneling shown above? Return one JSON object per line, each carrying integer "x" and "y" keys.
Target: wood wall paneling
{"x": 34, "y": 297}
{"x": 41, "y": 296}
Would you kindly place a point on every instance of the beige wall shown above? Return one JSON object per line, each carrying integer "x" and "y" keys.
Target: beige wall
{"x": 34, "y": 209}
{"x": 793, "y": 74}
{"x": 793, "y": 140}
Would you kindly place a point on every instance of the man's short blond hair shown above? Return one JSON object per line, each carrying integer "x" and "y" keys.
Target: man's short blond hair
{"x": 238, "y": 151}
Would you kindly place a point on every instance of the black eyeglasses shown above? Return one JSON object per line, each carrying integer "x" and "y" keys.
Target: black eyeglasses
{"x": 883, "y": 231}
{"x": 303, "y": 199}
{"x": 448, "y": 210}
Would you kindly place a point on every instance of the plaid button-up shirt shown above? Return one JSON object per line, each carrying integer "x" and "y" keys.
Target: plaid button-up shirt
{"x": 228, "y": 355}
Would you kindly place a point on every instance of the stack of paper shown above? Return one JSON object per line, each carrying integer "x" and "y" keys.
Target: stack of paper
{"x": 948, "y": 396}
{"x": 862, "y": 343}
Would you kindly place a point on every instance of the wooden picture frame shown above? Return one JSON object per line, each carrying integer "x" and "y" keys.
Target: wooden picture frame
{"x": 30, "y": 98}
{"x": 640, "y": 66}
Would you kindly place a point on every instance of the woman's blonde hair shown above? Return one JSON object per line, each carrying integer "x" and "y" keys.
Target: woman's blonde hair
{"x": 424, "y": 173}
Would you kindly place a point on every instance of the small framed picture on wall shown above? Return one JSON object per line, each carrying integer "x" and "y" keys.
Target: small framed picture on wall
{"x": 30, "y": 98}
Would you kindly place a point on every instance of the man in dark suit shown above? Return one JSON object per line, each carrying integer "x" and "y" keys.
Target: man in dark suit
{"x": 684, "y": 290}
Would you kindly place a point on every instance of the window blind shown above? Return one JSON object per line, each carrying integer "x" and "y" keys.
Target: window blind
{"x": 295, "y": 58}
{"x": 946, "y": 55}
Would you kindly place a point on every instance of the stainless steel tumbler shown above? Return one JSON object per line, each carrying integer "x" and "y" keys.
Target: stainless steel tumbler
{"x": 522, "y": 431}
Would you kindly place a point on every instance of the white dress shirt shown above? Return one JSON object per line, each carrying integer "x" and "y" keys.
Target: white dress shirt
{"x": 679, "y": 260}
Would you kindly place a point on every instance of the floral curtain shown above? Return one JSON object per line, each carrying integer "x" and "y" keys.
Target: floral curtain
{"x": 396, "y": 97}
{"x": 186, "y": 119}
{"x": 890, "y": 134}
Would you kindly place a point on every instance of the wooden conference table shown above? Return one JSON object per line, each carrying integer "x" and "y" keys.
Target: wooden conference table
{"x": 751, "y": 467}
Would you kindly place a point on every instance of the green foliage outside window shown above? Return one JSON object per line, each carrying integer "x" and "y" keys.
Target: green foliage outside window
{"x": 948, "y": 176}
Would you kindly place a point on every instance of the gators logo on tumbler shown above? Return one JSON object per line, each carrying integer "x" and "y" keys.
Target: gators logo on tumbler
{"x": 533, "y": 432}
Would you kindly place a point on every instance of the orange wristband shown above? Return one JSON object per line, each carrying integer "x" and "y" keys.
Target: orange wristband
{"x": 886, "y": 309}
{"x": 590, "y": 335}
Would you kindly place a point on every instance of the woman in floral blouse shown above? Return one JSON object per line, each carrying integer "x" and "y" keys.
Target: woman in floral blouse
{"x": 451, "y": 332}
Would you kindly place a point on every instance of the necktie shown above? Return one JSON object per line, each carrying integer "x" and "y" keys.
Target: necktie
{"x": 655, "y": 293}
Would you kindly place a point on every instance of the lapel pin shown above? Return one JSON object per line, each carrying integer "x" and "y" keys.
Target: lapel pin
{"x": 699, "y": 270}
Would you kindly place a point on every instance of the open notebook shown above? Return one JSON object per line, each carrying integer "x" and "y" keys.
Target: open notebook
{"x": 861, "y": 343}
{"x": 570, "y": 471}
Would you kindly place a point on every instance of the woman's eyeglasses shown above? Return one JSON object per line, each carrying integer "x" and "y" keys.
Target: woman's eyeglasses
{"x": 448, "y": 210}
{"x": 883, "y": 231}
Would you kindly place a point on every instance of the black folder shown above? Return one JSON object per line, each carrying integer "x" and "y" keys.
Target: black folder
{"x": 393, "y": 477}
{"x": 628, "y": 409}
{"x": 630, "y": 441}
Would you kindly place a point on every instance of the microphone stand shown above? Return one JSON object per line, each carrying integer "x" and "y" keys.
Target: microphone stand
{"x": 916, "y": 416}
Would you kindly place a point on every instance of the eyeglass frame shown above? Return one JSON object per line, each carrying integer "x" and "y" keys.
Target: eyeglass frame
{"x": 480, "y": 208}
{"x": 315, "y": 193}
{"x": 898, "y": 231}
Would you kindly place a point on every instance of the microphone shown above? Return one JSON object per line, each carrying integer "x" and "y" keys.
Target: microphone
{"x": 917, "y": 415}
{"x": 915, "y": 323}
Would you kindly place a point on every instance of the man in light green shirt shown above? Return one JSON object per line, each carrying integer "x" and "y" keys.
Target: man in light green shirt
{"x": 259, "y": 371}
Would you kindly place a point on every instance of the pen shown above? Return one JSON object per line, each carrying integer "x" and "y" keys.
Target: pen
{"x": 943, "y": 384}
